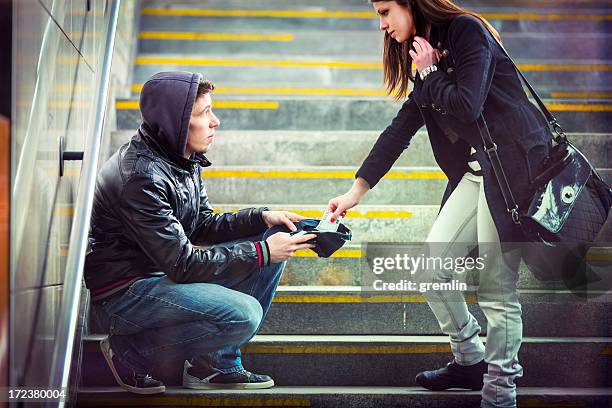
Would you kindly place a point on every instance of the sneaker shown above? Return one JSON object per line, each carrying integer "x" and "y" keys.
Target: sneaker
{"x": 454, "y": 375}
{"x": 128, "y": 379}
{"x": 208, "y": 378}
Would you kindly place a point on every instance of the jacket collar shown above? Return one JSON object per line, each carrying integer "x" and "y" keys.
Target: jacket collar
{"x": 168, "y": 155}
{"x": 437, "y": 35}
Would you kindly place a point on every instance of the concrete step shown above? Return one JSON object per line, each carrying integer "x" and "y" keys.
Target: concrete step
{"x": 336, "y": 397}
{"x": 275, "y": 113}
{"x": 384, "y": 361}
{"x": 332, "y": 310}
{"x": 507, "y": 16}
{"x": 228, "y": 90}
{"x": 351, "y": 43}
{"x": 373, "y": 223}
{"x": 567, "y": 5}
{"x": 342, "y": 71}
{"x": 344, "y": 268}
{"x": 285, "y": 148}
{"x": 347, "y": 310}
{"x": 316, "y": 185}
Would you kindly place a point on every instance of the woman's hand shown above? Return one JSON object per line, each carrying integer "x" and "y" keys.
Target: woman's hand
{"x": 424, "y": 55}
{"x": 341, "y": 204}
{"x": 281, "y": 218}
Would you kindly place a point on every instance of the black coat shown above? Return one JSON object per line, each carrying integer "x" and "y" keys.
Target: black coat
{"x": 474, "y": 77}
{"x": 149, "y": 211}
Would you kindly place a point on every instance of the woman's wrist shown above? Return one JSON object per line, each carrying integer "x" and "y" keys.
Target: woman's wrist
{"x": 359, "y": 189}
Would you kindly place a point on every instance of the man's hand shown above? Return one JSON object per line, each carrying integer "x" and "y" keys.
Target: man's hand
{"x": 281, "y": 218}
{"x": 283, "y": 246}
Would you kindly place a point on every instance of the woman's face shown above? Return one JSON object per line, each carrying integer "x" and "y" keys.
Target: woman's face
{"x": 395, "y": 19}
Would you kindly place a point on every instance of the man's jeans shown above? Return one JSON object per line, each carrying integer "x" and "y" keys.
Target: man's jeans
{"x": 159, "y": 320}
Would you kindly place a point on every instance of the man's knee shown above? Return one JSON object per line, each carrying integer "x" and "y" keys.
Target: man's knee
{"x": 246, "y": 315}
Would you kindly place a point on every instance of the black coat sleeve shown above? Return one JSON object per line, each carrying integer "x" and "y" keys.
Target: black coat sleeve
{"x": 213, "y": 228}
{"x": 391, "y": 142}
{"x": 474, "y": 68}
{"x": 145, "y": 210}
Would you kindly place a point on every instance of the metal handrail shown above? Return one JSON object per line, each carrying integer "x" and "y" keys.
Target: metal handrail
{"x": 64, "y": 338}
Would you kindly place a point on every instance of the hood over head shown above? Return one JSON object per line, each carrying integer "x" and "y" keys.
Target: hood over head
{"x": 166, "y": 102}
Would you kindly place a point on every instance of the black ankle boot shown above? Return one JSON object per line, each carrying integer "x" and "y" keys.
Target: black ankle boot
{"x": 454, "y": 376}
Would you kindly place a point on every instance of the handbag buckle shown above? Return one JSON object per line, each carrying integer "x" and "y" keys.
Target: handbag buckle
{"x": 559, "y": 131}
{"x": 491, "y": 149}
{"x": 515, "y": 215}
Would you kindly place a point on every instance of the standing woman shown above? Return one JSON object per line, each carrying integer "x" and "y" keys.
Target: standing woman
{"x": 462, "y": 73}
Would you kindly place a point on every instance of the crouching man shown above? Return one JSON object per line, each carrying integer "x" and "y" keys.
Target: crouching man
{"x": 153, "y": 290}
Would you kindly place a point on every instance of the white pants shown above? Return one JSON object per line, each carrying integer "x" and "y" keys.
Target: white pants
{"x": 465, "y": 218}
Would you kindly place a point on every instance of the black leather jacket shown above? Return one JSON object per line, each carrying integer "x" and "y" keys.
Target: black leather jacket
{"x": 148, "y": 214}
{"x": 150, "y": 206}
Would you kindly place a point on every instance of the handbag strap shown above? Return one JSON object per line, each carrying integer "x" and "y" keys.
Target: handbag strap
{"x": 491, "y": 148}
{"x": 552, "y": 121}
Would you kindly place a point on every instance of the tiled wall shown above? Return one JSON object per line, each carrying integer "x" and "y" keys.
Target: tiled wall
{"x": 57, "y": 54}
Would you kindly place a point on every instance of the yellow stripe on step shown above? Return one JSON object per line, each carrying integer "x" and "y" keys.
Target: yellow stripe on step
{"x": 582, "y": 95}
{"x": 272, "y": 105}
{"x": 280, "y": 298}
{"x": 226, "y": 62}
{"x": 245, "y": 105}
{"x": 547, "y": 17}
{"x": 345, "y": 349}
{"x": 341, "y": 253}
{"x": 361, "y": 15}
{"x": 300, "y": 91}
{"x": 196, "y": 400}
{"x": 558, "y": 107}
{"x": 566, "y": 67}
{"x": 69, "y": 212}
{"x": 351, "y": 214}
{"x": 253, "y": 90}
{"x": 186, "y": 36}
{"x": 258, "y": 13}
{"x": 305, "y": 174}
{"x": 217, "y": 104}
{"x": 601, "y": 255}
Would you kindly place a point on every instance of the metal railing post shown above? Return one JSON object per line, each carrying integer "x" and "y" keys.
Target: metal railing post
{"x": 69, "y": 309}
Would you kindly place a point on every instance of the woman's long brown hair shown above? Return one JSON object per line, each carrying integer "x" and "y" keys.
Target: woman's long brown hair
{"x": 397, "y": 62}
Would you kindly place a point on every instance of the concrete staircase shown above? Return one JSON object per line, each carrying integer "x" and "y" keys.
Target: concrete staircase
{"x": 301, "y": 101}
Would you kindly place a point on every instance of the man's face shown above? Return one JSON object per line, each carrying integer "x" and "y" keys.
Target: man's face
{"x": 201, "y": 126}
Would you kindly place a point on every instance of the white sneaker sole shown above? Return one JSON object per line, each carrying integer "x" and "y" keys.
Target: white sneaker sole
{"x": 108, "y": 356}
{"x": 236, "y": 386}
{"x": 197, "y": 385}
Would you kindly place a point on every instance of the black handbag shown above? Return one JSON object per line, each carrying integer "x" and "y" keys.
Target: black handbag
{"x": 326, "y": 242}
{"x": 569, "y": 206}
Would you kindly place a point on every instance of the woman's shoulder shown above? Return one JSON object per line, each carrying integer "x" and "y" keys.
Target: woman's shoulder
{"x": 466, "y": 23}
